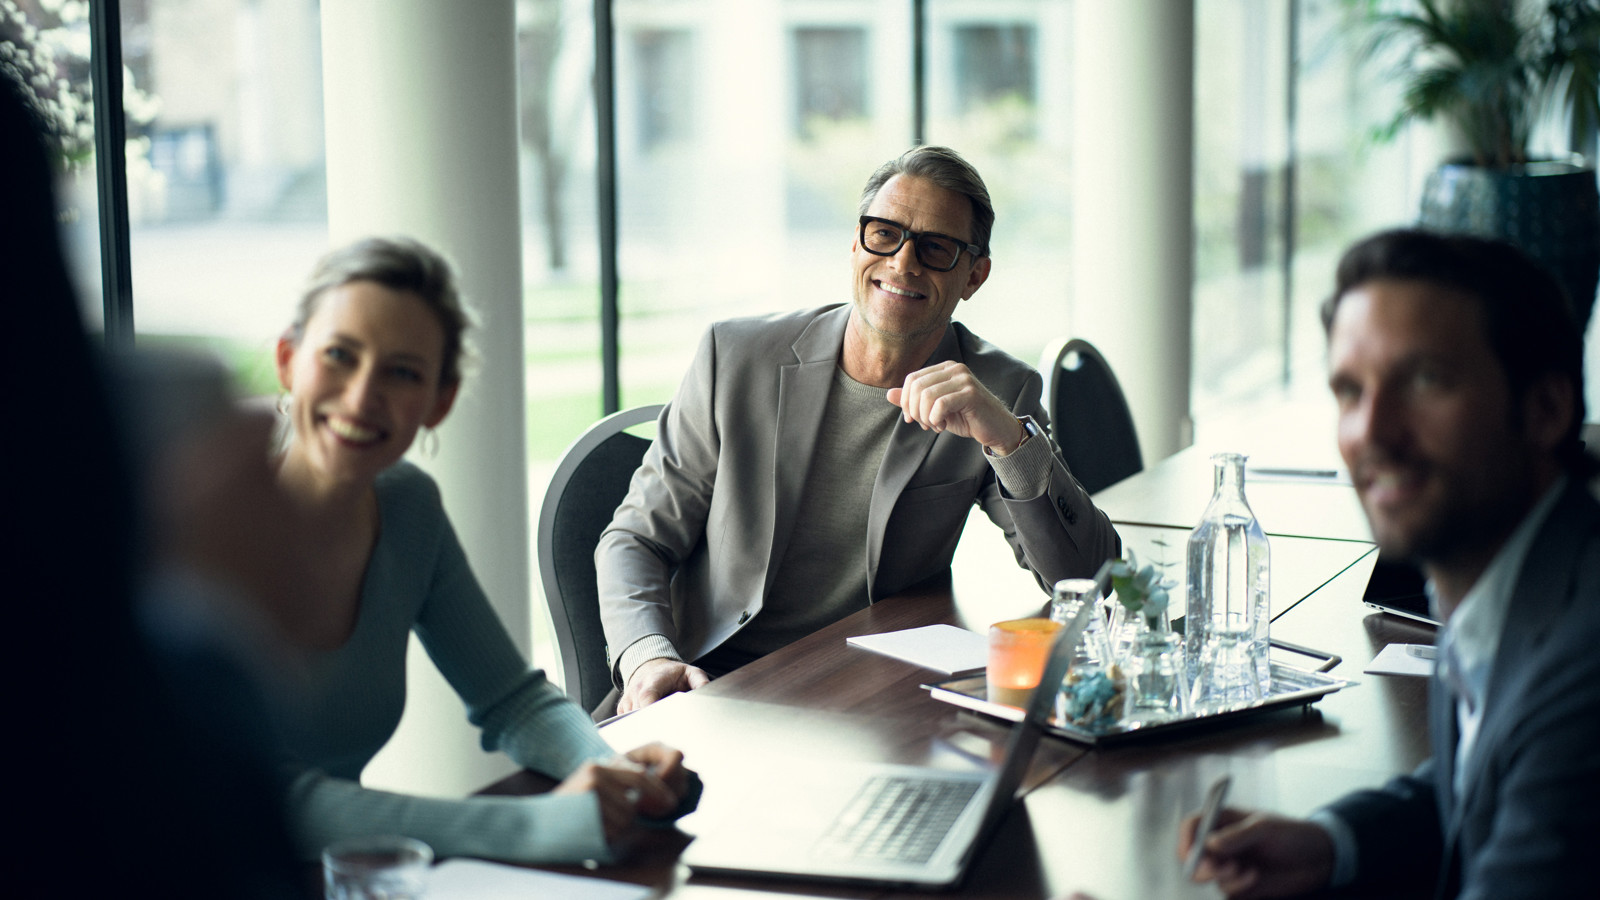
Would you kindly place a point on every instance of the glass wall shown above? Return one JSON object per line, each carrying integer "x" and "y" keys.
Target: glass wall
{"x": 1346, "y": 185}
{"x": 747, "y": 210}
{"x": 227, "y": 196}
{"x": 1241, "y": 165}
{"x": 560, "y": 258}
{"x": 45, "y": 45}
{"x": 745, "y": 129}
{"x": 1286, "y": 175}
{"x": 1000, "y": 91}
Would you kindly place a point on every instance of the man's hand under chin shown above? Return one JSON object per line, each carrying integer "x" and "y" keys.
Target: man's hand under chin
{"x": 658, "y": 678}
{"x": 948, "y": 397}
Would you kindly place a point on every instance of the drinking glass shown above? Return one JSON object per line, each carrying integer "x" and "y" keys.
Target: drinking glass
{"x": 1158, "y": 678}
{"x": 378, "y": 867}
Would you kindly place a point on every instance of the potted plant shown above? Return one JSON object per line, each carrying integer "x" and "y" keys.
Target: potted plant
{"x": 1157, "y": 679}
{"x": 1493, "y": 69}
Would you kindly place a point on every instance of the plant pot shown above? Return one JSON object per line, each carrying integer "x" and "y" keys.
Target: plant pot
{"x": 1549, "y": 209}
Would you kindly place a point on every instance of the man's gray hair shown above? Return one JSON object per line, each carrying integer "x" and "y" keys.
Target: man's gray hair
{"x": 399, "y": 264}
{"x": 945, "y": 168}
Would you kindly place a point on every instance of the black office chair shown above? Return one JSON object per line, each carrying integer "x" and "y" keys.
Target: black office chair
{"x": 588, "y": 485}
{"x": 1089, "y": 414}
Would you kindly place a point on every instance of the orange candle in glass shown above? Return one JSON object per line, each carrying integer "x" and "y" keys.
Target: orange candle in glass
{"x": 1018, "y": 649}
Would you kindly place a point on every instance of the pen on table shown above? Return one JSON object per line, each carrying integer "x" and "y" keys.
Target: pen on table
{"x": 1291, "y": 472}
{"x": 1208, "y": 821}
{"x": 621, "y": 761}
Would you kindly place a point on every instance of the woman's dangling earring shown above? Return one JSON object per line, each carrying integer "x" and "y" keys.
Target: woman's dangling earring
{"x": 284, "y": 401}
{"x": 429, "y": 445}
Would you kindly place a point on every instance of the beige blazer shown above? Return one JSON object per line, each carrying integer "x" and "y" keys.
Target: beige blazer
{"x": 692, "y": 550}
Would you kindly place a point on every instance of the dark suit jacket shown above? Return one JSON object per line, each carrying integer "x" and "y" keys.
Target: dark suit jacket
{"x": 1529, "y": 822}
{"x": 693, "y": 548}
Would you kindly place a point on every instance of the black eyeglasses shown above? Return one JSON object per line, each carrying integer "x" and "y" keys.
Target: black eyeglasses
{"x": 939, "y": 252}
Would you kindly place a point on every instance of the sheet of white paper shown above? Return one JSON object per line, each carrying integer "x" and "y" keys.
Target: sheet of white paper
{"x": 945, "y": 648}
{"x": 1402, "y": 659}
{"x": 479, "y": 880}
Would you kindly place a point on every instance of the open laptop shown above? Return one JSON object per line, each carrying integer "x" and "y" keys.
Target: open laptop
{"x": 1397, "y": 587}
{"x": 882, "y": 824}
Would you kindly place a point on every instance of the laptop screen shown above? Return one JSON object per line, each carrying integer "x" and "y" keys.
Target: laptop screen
{"x": 1025, "y": 735}
{"x": 1397, "y": 586}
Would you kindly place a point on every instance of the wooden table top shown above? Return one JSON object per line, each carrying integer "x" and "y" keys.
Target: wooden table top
{"x": 1175, "y": 491}
{"x": 1103, "y": 821}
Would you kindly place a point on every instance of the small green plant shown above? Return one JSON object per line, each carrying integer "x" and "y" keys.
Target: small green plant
{"x": 1142, "y": 591}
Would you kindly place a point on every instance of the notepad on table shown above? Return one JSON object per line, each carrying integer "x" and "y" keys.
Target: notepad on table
{"x": 945, "y": 648}
{"x": 1402, "y": 659}
{"x": 462, "y": 878}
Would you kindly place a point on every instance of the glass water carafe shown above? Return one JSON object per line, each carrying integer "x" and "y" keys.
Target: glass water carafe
{"x": 1226, "y": 640}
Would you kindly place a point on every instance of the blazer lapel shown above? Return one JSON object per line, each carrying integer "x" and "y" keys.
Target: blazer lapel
{"x": 1543, "y": 593}
{"x": 803, "y": 388}
{"x": 1445, "y": 735}
{"x": 908, "y": 447}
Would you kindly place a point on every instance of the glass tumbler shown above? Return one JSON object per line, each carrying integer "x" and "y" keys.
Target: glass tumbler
{"x": 1158, "y": 678}
{"x": 378, "y": 867}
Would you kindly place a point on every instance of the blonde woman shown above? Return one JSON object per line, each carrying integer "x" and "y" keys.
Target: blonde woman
{"x": 373, "y": 355}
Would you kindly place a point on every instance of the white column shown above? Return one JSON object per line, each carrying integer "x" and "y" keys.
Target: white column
{"x": 1132, "y": 151}
{"x": 421, "y": 113}
{"x": 422, "y": 140}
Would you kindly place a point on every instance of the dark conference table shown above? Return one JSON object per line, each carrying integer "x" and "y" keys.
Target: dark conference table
{"x": 1175, "y": 492}
{"x": 1101, "y": 821}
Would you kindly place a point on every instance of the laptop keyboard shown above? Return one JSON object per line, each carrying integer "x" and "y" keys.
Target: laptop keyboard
{"x": 897, "y": 818}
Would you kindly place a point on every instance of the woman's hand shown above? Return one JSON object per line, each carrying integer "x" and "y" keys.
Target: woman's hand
{"x": 650, "y": 779}
{"x": 667, "y": 765}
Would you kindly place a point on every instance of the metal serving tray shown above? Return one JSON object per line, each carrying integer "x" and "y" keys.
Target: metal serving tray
{"x": 1291, "y": 686}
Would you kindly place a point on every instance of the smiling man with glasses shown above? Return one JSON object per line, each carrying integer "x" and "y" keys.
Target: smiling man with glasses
{"x": 816, "y": 461}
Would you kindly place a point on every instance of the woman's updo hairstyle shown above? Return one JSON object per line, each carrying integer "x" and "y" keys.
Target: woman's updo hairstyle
{"x": 399, "y": 264}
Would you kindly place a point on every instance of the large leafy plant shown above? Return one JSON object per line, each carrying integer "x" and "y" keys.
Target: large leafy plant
{"x": 1494, "y": 68}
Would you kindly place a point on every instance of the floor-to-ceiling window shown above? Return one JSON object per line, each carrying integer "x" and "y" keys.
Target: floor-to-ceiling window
{"x": 998, "y": 90}
{"x": 1346, "y": 184}
{"x": 45, "y": 46}
{"x": 225, "y": 182}
{"x": 229, "y": 206}
{"x": 744, "y": 130}
{"x": 560, "y": 258}
{"x": 1286, "y": 175}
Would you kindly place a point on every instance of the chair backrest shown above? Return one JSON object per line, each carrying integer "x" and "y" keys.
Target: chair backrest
{"x": 588, "y": 485}
{"x": 1089, "y": 415}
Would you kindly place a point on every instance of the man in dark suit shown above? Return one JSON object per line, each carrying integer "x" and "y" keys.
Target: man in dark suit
{"x": 1458, "y": 373}
{"x": 813, "y": 462}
